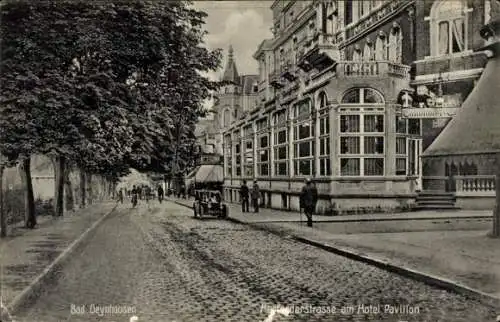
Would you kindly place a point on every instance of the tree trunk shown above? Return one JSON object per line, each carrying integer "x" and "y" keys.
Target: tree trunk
{"x": 83, "y": 192}
{"x": 3, "y": 219}
{"x": 496, "y": 212}
{"x": 69, "y": 198}
{"x": 89, "y": 187}
{"x": 30, "y": 215}
{"x": 60, "y": 165}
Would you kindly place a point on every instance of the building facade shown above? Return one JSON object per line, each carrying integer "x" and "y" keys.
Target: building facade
{"x": 350, "y": 93}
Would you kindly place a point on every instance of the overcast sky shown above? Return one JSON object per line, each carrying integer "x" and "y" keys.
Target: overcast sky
{"x": 244, "y": 24}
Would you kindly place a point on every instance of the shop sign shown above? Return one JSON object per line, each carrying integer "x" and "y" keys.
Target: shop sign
{"x": 429, "y": 113}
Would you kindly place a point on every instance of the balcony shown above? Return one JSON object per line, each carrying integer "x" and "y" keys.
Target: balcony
{"x": 372, "y": 69}
{"x": 275, "y": 79}
{"x": 288, "y": 72}
{"x": 319, "y": 52}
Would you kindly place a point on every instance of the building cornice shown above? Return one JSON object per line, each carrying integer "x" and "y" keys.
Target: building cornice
{"x": 447, "y": 76}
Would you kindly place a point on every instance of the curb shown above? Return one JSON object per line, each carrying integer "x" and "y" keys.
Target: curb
{"x": 429, "y": 279}
{"x": 32, "y": 290}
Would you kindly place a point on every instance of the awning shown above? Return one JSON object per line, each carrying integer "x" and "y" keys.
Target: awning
{"x": 209, "y": 173}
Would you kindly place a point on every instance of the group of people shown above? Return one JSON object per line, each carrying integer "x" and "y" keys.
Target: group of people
{"x": 141, "y": 192}
{"x": 308, "y": 198}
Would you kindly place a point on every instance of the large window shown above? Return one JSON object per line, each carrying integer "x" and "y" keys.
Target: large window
{"x": 228, "y": 155}
{"x": 263, "y": 147}
{"x": 263, "y": 155}
{"x": 280, "y": 143}
{"x": 281, "y": 151}
{"x": 248, "y": 151}
{"x": 324, "y": 136}
{"x": 362, "y": 140}
{"x": 237, "y": 156}
{"x": 303, "y": 139}
{"x": 448, "y": 27}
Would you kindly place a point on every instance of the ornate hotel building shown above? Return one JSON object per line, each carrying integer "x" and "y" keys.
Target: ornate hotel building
{"x": 350, "y": 93}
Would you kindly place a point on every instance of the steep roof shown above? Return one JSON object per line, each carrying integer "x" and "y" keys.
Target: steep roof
{"x": 476, "y": 126}
{"x": 231, "y": 72}
{"x": 247, "y": 82}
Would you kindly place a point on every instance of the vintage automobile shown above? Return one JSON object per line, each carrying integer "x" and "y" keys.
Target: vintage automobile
{"x": 209, "y": 203}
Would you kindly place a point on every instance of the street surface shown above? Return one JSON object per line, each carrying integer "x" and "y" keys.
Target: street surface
{"x": 160, "y": 264}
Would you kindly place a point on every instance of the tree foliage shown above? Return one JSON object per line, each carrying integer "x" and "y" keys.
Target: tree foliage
{"x": 108, "y": 85}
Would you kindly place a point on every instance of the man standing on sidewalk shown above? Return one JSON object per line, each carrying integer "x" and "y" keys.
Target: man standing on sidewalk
{"x": 308, "y": 200}
{"x": 255, "y": 196}
{"x": 160, "y": 193}
{"x": 244, "y": 194}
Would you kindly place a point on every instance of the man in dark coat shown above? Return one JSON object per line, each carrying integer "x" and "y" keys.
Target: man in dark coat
{"x": 161, "y": 193}
{"x": 255, "y": 196}
{"x": 308, "y": 200}
{"x": 244, "y": 195}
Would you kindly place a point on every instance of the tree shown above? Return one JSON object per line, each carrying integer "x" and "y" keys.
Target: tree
{"x": 103, "y": 83}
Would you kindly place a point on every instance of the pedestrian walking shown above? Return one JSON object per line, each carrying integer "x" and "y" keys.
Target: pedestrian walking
{"x": 120, "y": 195}
{"x": 255, "y": 196}
{"x": 244, "y": 195}
{"x": 134, "y": 192}
{"x": 161, "y": 193}
{"x": 308, "y": 200}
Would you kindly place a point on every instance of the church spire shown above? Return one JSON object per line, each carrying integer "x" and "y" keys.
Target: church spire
{"x": 230, "y": 72}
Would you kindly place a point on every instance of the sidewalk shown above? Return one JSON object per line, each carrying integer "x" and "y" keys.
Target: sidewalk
{"x": 465, "y": 261}
{"x": 266, "y": 215}
{"x": 27, "y": 254}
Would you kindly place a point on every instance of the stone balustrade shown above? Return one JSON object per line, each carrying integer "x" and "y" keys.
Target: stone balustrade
{"x": 472, "y": 185}
{"x": 372, "y": 69}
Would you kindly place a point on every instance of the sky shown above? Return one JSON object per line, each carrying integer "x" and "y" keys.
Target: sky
{"x": 243, "y": 24}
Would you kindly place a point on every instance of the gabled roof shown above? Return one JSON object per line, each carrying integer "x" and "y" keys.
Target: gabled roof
{"x": 476, "y": 126}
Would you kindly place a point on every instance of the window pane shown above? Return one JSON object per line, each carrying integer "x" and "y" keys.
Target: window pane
{"x": 281, "y": 168}
{"x": 374, "y": 167}
{"x": 263, "y": 141}
{"x": 282, "y": 137}
{"x": 400, "y": 166}
{"x": 238, "y": 171}
{"x": 264, "y": 169}
{"x": 303, "y": 167}
{"x": 304, "y": 130}
{"x": 400, "y": 125}
{"x": 349, "y": 123}
{"x": 374, "y": 123}
{"x": 349, "y": 145}
{"x": 372, "y": 96}
{"x": 349, "y": 167}
{"x": 304, "y": 149}
{"x": 237, "y": 148}
{"x": 249, "y": 146}
{"x": 325, "y": 169}
{"x": 457, "y": 36}
{"x": 414, "y": 126}
{"x": 400, "y": 145}
{"x": 264, "y": 156}
{"x": 324, "y": 146}
{"x": 352, "y": 97}
{"x": 282, "y": 153}
{"x": 324, "y": 126}
{"x": 374, "y": 145}
{"x": 443, "y": 30}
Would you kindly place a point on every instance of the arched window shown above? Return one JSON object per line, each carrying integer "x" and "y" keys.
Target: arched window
{"x": 361, "y": 141}
{"x": 362, "y": 96}
{"x": 226, "y": 117}
{"x": 380, "y": 47}
{"x": 323, "y": 100}
{"x": 448, "y": 27}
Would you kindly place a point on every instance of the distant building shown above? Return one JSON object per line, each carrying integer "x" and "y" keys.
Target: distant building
{"x": 350, "y": 93}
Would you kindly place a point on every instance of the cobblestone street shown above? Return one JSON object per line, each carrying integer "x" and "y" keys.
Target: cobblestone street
{"x": 167, "y": 266}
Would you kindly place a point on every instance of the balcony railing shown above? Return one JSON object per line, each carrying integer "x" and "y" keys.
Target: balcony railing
{"x": 372, "y": 69}
{"x": 478, "y": 185}
{"x": 475, "y": 185}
